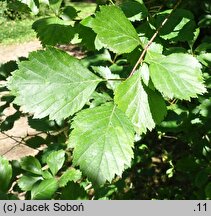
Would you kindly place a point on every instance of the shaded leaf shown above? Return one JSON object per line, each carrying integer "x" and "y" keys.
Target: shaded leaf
{"x": 5, "y": 174}
{"x": 99, "y": 99}
{"x": 55, "y": 161}
{"x": 69, "y": 13}
{"x": 83, "y": 31}
{"x": 74, "y": 191}
{"x": 31, "y": 164}
{"x": 53, "y": 31}
{"x": 205, "y": 59}
{"x": 180, "y": 26}
{"x": 55, "y": 5}
{"x": 52, "y": 83}
{"x": 32, "y": 4}
{"x": 103, "y": 140}
{"x": 134, "y": 10}
{"x": 26, "y": 182}
{"x": 44, "y": 190}
{"x": 157, "y": 105}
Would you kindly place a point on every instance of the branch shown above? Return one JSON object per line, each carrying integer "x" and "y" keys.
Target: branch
{"x": 120, "y": 79}
{"x": 140, "y": 60}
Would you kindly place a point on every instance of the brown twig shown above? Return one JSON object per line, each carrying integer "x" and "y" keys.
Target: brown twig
{"x": 18, "y": 142}
{"x": 140, "y": 60}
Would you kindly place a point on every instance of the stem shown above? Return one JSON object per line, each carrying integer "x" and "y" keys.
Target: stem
{"x": 111, "y": 2}
{"x": 140, "y": 60}
{"x": 120, "y": 79}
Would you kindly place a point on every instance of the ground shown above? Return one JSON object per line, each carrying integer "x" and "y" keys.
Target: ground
{"x": 12, "y": 142}
{"x": 13, "y": 51}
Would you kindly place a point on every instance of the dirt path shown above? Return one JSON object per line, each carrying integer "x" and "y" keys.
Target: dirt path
{"x": 12, "y": 52}
{"x": 11, "y": 142}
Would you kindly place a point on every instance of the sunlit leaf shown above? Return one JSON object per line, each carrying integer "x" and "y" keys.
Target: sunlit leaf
{"x": 103, "y": 139}
{"x": 52, "y": 83}
{"x": 115, "y": 30}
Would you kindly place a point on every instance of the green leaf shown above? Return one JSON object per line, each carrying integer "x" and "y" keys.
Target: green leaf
{"x": 44, "y": 190}
{"x": 99, "y": 99}
{"x": 52, "y": 83}
{"x": 26, "y": 182}
{"x": 69, "y": 13}
{"x": 177, "y": 75}
{"x": 196, "y": 35}
{"x": 5, "y": 174}
{"x": 144, "y": 70}
{"x": 133, "y": 99}
{"x": 32, "y": 4}
{"x": 204, "y": 53}
{"x": 204, "y": 108}
{"x": 18, "y": 6}
{"x": 47, "y": 174}
{"x": 83, "y": 31}
{"x": 74, "y": 191}
{"x": 103, "y": 139}
{"x": 115, "y": 30}
{"x": 31, "y": 164}
{"x": 134, "y": 10}
{"x": 55, "y": 161}
{"x": 53, "y": 31}
{"x": 55, "y": 5}
{"x": 205, "y": 59}
{"x": 69, "y": 175}
{"x": 180, "y": 26}
{"x": 157, "y": 105}
{"x": 105, "y": 72}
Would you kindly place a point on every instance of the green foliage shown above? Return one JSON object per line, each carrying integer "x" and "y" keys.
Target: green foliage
{"x": 32, "y": 4}
{"x": 53, "y": 31}
{"x": 132, "y": 118}
{"x": 114, "y": 30}
{"x": 97, "y": 158}
{"x": 44, "y": 190}
{"x": 74, "y": 191}
{"x": 26, "y": 182}
{"x": 31, "y": 165}
{"x": 134, "y": 10}
{"x": 69, "y": 175}
{"x": 177, "y": 75}
{"x": 5, "y": 174}
{"x": 180, "y": 26}
{"x": 61, "y": 73}
{"x": 133, "y": 99}
{"x": 55, "y": 161}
